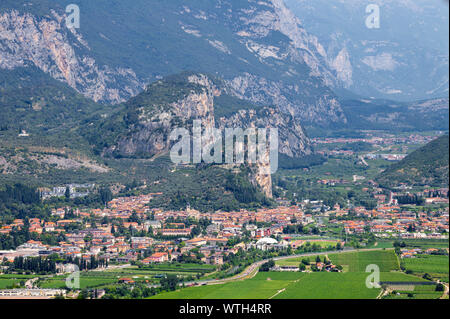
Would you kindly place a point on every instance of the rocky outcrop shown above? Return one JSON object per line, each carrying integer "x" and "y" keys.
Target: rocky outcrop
{"x": 149, "y": 136}
{"x": 292, "y": 139}
{"x": 46, "y": 43}
{"x": 303, "y": 48}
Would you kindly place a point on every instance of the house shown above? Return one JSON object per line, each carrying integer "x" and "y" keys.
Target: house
{"x": 50, "y": 227}
{"x": 196, "y": 242}
{"x": 141, "y": 242}
{"x": 266, "y": 243}
{"x": 126, "y": 281}
{"x": 156, "y": 258}
{"x": 176, "y": 232}
{"x": 215, "y": 259}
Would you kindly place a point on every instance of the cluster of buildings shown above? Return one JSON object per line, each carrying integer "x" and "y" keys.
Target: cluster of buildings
{"x": 76, "y": 190}
{"x": 412, "y": 253}
{"x": 387, "y": 157}
{"x": 156, "y": 236}
{"x": 391, "y": 221}
{"x": 169, "y": 234}
{"x": 383, "y": 139}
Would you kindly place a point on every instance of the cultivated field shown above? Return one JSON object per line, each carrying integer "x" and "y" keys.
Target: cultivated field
{"x": 150, "y": 274}
{"x": 436, "y": 266}
{"x": 427, "y": 263}
{"x": 8, "y": 280}
{"x": 296, "y": 285}
{"x": 358, "y": 261}
{"x": 417, "y": 292}
{"x": 291, "y": 285}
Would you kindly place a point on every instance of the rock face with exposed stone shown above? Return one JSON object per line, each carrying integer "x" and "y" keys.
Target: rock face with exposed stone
{"x": 149, "y": 135}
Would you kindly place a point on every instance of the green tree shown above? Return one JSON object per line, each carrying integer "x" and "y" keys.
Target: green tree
{"x": 105, "y": 195}
{"x": 67, "y": 193}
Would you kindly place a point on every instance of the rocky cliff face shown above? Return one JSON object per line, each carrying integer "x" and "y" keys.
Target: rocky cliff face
{"x": 149, "y": 135}
{"x": 266, "y": 17}
{"x": 46, "y": 43}
{"x": 292, "y": 139}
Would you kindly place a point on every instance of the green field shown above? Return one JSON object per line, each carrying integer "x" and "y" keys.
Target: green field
{"x": 400, "y": 277}
{"x": 427, "y": 264}
{"x": 6, "y": 283}
{"x": 418, "y": 292}
{"x": 191, "y": 268}
{"x": 296, "y": 261}
{"x": 95, "y": 279}
{"x": 262, "y": 286}
{"x": 324, "y": 285}
{"x": 358, "y": 261}
{"x": 426, "y": 243}
{"x": 85, "y": 282}
{"x": 322, "y": 243}
{"x": 436, "y": 266}
{"x": 8, "y": 280}
{"x": 294, "y": 285}
{"x": 382, "y": 244}
{"x": 316, "y": 285}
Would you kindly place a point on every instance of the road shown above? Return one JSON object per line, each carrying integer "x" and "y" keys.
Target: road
{"x": 29, "y": 284}
{"x": 444, "y": 295}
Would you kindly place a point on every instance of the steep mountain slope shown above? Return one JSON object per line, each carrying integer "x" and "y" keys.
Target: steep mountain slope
{"x": 259, "y": 47}
{"x": 68, "y": 134}
{"x": 406, "y": 58}
{"x": 31, "y": 100}
{"x": 46, "y": 43}
{"x": 428, "y": 165}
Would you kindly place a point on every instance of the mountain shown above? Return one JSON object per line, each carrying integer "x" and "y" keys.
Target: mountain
{"x": 141, "y": 129}
{"x": 71, "y": 138}
{"x": 406, "y": 58}
{"x": 33, "y": 101}
{"x": 258, "y": 47}
{"x": 428, "y": 165}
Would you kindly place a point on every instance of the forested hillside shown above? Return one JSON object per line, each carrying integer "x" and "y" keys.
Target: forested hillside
{"x": 428, "y": 165}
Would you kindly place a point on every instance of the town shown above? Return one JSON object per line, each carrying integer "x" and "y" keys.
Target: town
{"x": 127, "y": 231}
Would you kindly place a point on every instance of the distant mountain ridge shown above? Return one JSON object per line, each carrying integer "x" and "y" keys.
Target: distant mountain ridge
{"x": 258, "y": 47}
{"x": 405, "y": 59}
